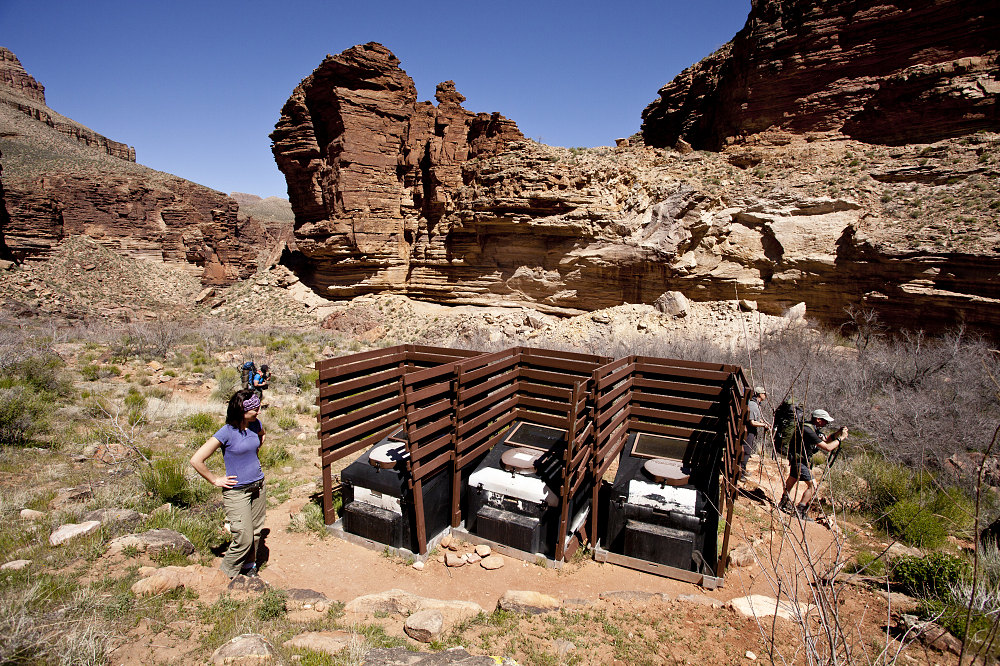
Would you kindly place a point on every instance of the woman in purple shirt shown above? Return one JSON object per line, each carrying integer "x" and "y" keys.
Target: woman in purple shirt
{"x": 243, "y": 484}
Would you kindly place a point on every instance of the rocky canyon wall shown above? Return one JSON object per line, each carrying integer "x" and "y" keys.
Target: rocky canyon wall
{"x": 881, "y": 72}
{"x": 441, "y": 204}
{"x": 62, "y": 179}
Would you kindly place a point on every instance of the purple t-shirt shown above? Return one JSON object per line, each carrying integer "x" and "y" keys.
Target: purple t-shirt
{"x": 239, "y": 451}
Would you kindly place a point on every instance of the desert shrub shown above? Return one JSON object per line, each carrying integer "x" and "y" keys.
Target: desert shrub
{"x": 306, "y": 380}
{"x": 166, "y": 480}
{"x": 228, "y": 379}
{"x": 202, "y": 422}
{"x": 867, "y": 563}
{"x": 274, "y": 455}
{"x": 287, "y": 422}
{"x": 931, "y": 576}
{"x": 914, "y": 524}
{"x": 24, "y": 415}
{"x": 90, "y": 372}
{"x": 271, "y": 604}
{"x": 310, "y": 519}
{"x": 201, "y": 525}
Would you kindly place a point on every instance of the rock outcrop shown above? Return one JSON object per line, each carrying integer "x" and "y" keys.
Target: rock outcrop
{"x": 61, "y": 179}
{"x": 881, "y": 72}
{"x": 461, "y": 215}
{"x": 20, "y": 91}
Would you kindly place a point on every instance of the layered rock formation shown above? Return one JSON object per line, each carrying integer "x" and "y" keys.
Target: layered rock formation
{"x": 371, "y": 172}
{"x": 28, "y": 97}
{"x": 877, "y": 71}
{"x": 62, "y": 179}
{"x": 439, "y": 204}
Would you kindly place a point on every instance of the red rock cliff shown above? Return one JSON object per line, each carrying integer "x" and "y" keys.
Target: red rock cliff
{"x": 877, "y": 71}
{"x": 369, "y": 169}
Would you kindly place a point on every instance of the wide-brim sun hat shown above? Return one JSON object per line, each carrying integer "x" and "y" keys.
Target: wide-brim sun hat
{"x": 822, "y": 414}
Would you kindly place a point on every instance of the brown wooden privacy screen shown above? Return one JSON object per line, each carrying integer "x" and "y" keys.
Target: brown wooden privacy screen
{"x": 704, "y": 403}
{"x": 550, "y": 388}
{"x": 361, "y": 400}
{"x": 457, "y": 404}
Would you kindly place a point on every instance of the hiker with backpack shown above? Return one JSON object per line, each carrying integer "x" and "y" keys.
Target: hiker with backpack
{"x": 756, "y": 425}
{"x": 259, "y": 380}
{"x": 806, "y": 442}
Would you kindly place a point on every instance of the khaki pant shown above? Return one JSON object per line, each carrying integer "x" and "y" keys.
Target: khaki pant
{"x": 245, "y": 508}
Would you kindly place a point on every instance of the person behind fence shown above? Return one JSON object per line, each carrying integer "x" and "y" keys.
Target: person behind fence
{"x": 260, "y": 379}
{"x": 805, "y": 444}
{"x": 243, "y": 494}
{"x": 756, "y": 425}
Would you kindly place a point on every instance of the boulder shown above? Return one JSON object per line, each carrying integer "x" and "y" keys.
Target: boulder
{"x": 633, "y": 596}
{"x": 454, "y": 559}
{"x": 153, "y": 541}
{"x": 400, "y": 602}
{"x": 69, "y": 531}
{"x": 672, "y": 303}
{"x": 31, "y": 514}
{"x": 524, "y": 601}
{"x": 14, "y": 565}
{"x": 796, "y": 313}
{"x": 424, "y": 626}
{"x": 758, "y": 606}
{"x": 327, "y": 642}
{"x": 114, "y": 516}
{"x": 245, "y": 649}
{"x": 199, "y": 579}
{"x": 700, "y": 599}
{"x": 492, "y": 562}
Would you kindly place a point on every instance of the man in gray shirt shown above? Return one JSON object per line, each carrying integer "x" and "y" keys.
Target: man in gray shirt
{"x": 756, "y": 425}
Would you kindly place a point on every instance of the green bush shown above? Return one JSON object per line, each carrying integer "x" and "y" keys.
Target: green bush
{"x": 929, "y": 576}
{"x": 951, "y": 615}
{"x": 914, "y": 524}
{"x": 306, "y": 381}
{"x": 202, "y": 422}
{"x": 867, "y": 563}
{"x": 134, "y": 399}
{"x": 274, "y": 455}
{"x": 166, "y": 480}
{"x": 24, "y": 415}
{"x": 271, "y": 604}
{"x": 90, "y": 372}
{"x": 228, "y": 380}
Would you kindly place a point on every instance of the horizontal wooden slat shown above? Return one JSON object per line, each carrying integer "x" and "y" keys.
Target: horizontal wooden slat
{"x": 674, "y": 371}
{"x": 542, "y": 419}
{"x": 486, "y": 432}
{"x": 368, "y": 366}
{"x": 610, "y": 396}
{"x": 350, "y": 418}
{"x": 481, "y": 366}
{"x": 665, "y": 415}
{"x": 361, "y": 382}
{"x": 424, "y": 470}
{"x": 707, "y": 406}
{"x": 680, "y": 363}
{"x": 416, "y": 414}
{"x": 472, "y": 454}
{"x": 469, "y": 400}
{"x": 417, "y": 376}
{"x": 467, "y": 425}
{"x": 556, "y": 378}
{"x": 678, "y": 387}
{"x": 360, "y": 356}
{"x": 563, "y": 394}
{"x": 429, "y": 448}
{"x": 603, "y": 428}
{"x": 596, "y": 361}
{"x": 358, "y": 398}
{"x": 351, "y": 433}
{"x": 660, "y": 429}
{"x": 445, "y": 421}
{"x": 442, "y": 390}
{"x": 537, "y": 403}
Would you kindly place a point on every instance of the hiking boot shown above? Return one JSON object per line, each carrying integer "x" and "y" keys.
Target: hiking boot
{"x": 785, "y": 505}
{"x": 250, "y": 572}
{"x": 802, "y": 511}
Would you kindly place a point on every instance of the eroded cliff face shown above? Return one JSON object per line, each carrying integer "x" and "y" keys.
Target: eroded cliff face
{"x": 881, "y": 72}
{"x": 392, "y": 195}
{"x": 62, "y": 179}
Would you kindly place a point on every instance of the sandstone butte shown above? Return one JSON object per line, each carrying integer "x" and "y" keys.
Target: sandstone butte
{"x": 442, "y": 204}
{"x": 61, "y": 179}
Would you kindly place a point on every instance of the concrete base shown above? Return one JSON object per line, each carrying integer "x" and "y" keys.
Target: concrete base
{"x": 337, "y": 529}
{"x": 535, "y": 558}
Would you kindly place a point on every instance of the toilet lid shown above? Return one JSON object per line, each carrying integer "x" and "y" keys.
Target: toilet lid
{"x": 520, "y": 460}
{"x": 666, "y": 471}
{"x": 387, "y": 455}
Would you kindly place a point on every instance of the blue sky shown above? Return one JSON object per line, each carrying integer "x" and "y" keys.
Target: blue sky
{"x": 196, "y": 86}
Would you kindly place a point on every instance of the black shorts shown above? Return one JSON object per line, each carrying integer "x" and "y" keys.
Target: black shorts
{"x": 800, "y": 470}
